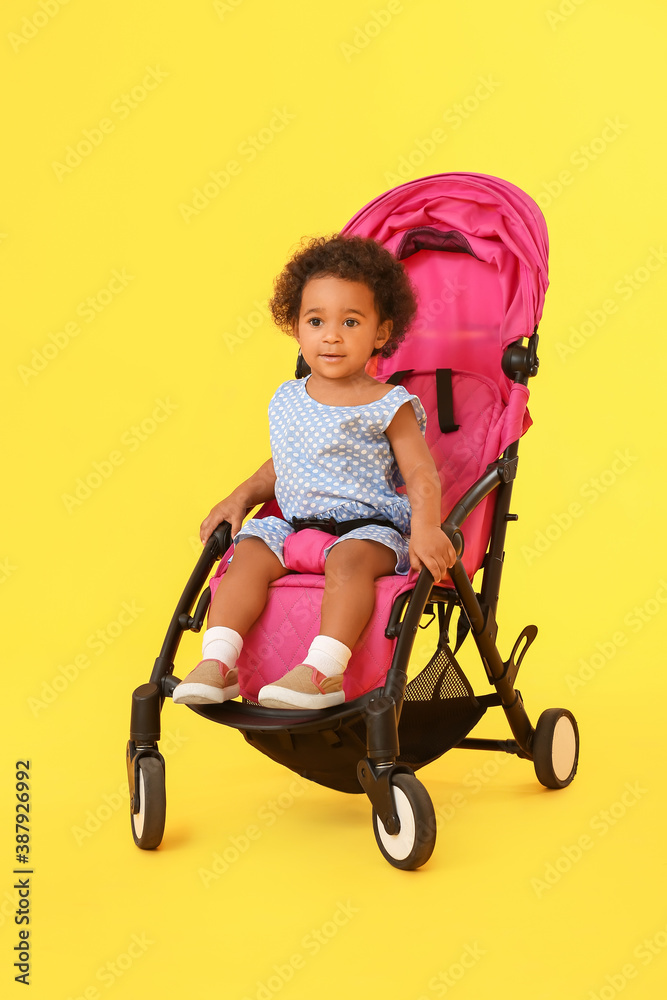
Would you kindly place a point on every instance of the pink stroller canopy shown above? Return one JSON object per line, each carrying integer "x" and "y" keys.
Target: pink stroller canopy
{"x": 482, "y": 281}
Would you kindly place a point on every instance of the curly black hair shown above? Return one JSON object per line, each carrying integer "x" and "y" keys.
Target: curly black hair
{"x": 352, "y": 258}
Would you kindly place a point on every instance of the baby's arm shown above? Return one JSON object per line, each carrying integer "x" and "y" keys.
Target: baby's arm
{"x": 429, "y": 545}
{"x": 258, "y": 489}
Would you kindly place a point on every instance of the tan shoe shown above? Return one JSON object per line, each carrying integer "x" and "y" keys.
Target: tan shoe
{"x": 210, "y": 683}
{"x": 303, "y": 687}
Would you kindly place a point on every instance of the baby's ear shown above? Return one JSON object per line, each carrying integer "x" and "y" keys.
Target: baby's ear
{"x": 384, "y": 332}
{"x": 295, "y": 329}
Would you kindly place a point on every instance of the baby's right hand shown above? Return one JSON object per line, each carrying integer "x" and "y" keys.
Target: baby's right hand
{"x": 230, "y": 509}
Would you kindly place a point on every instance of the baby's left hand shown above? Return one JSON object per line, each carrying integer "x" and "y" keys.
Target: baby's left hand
{"x": 430, "y": 547}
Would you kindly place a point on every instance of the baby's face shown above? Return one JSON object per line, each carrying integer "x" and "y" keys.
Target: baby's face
{"x": 338, "y": 327}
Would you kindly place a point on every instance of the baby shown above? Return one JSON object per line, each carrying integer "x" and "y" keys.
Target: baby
{"x": 341, "y": 442}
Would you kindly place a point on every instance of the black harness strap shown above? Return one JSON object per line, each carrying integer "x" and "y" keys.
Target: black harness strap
{"x": 398, "y": 377}
{"x": 339, "y": 527}
{"x": 443, "y": 388}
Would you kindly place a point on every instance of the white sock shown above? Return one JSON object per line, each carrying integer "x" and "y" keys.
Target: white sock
{"x": 328, "y": 655}
{"x": 221, "y": 643}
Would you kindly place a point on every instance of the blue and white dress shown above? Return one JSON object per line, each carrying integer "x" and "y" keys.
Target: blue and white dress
{"x": 336, "y": 461}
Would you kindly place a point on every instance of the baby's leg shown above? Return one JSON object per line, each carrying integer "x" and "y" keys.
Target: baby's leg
{"x": 242, "y": 592}
{"x": 352, "y": 567}
{"x": 236, "y": 606}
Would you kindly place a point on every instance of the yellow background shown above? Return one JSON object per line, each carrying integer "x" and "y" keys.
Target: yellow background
{"x": 536, "y": 86}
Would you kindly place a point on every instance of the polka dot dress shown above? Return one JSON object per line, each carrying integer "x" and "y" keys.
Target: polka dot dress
{"x": 336, "y": 461}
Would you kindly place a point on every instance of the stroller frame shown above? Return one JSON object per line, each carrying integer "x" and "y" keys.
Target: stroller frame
{"x": 369, "y": 728}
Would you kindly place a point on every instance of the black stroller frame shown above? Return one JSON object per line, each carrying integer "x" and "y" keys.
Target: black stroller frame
{"x": 375, "y": 743}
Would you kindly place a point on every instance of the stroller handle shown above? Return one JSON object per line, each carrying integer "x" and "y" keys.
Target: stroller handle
{"x": 455, "y": 536}
{"x": 221, "y": 537}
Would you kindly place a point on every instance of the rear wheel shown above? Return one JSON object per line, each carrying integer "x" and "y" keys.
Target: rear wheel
{"x": 148, "y": 821}
{"x": 413, "y": 845}
{"x": 556, "y": 748}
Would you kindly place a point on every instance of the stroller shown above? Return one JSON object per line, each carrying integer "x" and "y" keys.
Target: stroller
{"x": 475, "y": 248}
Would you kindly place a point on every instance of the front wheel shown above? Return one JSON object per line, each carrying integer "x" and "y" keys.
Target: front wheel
{"x": 148, "y": 821}
{"x": 556, "y": 748}
{"x": 413, "y": 845}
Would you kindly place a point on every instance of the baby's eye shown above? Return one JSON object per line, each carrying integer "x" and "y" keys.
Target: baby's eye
{"x": 351, "y": 322}
{"x": 315, "y": 321}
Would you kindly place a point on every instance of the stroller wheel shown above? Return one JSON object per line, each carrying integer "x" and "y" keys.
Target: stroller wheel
{"x": 413, "y": 845}
{"x": 556, "y": 748}
{"x": 148, "y": 822}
